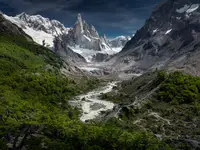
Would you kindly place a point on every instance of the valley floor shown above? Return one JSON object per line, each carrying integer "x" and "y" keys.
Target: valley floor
{"x": 91, "y": 104}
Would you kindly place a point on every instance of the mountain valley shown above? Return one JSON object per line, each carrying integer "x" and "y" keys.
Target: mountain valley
{"x": 71, "y": 88}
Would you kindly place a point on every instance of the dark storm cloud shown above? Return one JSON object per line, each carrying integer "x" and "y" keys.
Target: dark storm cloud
{"x": 109, "y": 16}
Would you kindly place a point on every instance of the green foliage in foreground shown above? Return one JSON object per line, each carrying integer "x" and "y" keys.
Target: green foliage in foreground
{"x": 34, "y": 110}
{"x": 18, "y": 49}
{"x": 179, "y": 88}
{"x": 170, "y": 107}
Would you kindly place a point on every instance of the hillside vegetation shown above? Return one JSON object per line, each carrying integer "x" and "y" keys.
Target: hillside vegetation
{"x": 168, "y": 104}
{"x": 34, "y": 110}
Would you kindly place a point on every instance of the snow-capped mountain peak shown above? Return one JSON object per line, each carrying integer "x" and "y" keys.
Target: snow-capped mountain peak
{"x": 85, "y": 36}
{"x": 85, "y": 40}
{"x": 23, "y": 16}
{"x": 79, "y": 18}
{"x": 37, "y": 22}
{"x": 82, "y": 38}
{"x": 41, "y": 29}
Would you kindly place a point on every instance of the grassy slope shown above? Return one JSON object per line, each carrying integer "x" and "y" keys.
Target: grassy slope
{"x": 34, "y": 112}
{"x": 170, "y": 107}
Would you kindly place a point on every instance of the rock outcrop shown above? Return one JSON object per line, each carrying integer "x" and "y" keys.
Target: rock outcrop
{"x": 85, "y": 36}
{"x": 66, "y": 53}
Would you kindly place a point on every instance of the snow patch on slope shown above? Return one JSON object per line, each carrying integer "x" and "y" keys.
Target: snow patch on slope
{"x": 154, "y": 31}
{"x": 183, "y": 9}
{"x": 39, "y": 36}
{"x": 193, "y": 8}
{"x": 188, "y": 9}
{"x": 117, "y": 49}
{"x": 87, "y": 38}
{"x": 168, "y": 31}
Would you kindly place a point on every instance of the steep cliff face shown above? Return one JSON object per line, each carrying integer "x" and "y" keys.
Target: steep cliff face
{"x": 85, "y": 40}
{"x": 85, "y": 36}
{"x": 66, "y": 53}
{"x": 170, "y": 34}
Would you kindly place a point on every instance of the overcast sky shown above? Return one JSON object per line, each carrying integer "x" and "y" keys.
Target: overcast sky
{"x": 112, "y": 17}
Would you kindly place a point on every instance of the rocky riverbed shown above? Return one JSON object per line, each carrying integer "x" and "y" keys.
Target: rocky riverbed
{"x": 91, "y": 104}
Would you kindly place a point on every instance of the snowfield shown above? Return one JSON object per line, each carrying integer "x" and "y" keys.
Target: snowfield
{"x": 39, "y": 36}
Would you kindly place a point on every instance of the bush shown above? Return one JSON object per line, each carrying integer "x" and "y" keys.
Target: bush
{"x": 179, "y": 88}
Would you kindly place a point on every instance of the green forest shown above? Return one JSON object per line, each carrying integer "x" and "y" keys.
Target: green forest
{"x": 34, "y": 109}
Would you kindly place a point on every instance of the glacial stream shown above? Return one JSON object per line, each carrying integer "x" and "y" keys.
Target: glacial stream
{"x": 90, "y": 103}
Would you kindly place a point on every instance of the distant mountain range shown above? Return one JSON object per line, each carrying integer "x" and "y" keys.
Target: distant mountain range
{"x": 83, "y": 39}
{"x": 169, "y": 39}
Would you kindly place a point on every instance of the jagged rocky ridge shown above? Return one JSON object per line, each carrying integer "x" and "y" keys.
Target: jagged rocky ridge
{"x": 43, "y": 31}
{"x": 169, "y": 38}
{"x": 85, "y": 36}
{"x": 82, "y": 38}
{"x": 85, "y": 40}
{"x": 9, "y": 28}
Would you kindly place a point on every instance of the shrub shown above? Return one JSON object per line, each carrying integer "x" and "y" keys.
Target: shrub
{"x": 179, "y": 88}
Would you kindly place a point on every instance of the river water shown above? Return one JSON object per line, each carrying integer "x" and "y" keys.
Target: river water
{"x": 90, "y": 103}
